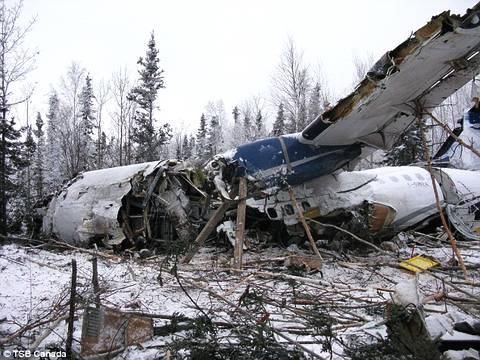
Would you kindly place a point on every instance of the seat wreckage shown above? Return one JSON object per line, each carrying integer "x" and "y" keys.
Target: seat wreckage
{"x": 154, "y": 203}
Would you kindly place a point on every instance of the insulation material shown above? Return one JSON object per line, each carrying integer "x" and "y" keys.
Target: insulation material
{"x": 88, "y": 206}
{"x": 138, "y": 203}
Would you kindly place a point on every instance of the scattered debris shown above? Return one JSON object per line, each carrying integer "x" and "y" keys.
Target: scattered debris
{"x": 418, "y": 263}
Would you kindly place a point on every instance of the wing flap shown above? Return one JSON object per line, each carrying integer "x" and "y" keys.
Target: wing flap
{"x": 423, "y": 71}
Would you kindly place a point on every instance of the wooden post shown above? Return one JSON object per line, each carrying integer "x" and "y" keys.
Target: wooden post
{"x": 304, "y": 223}
{"x": 96, "y": 287}
{"x": 71, "y": 314}
{"x": 206, "y": 231}
{"x": 240, "y": 228}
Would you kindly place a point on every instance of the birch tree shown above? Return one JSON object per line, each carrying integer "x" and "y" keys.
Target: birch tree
{"x": 15, "y": 63}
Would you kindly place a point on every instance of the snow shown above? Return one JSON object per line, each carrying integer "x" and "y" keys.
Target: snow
{"x": 89, "y": 205}
{"x": 34, "y": 280}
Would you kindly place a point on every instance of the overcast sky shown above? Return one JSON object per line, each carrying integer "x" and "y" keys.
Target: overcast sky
{"x": 216, "y": 49}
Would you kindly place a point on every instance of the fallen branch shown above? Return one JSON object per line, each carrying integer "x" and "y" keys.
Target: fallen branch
{"x": 253, "y": 318}
{"x": 304, "y": 223}
{"x": 365, "y": 242}
{"x": 451, "y": 133}
{"x": 453, "y": 242}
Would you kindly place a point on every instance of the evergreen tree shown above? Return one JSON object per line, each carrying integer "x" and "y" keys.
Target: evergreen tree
{"x": 14, "y": 155}
{"x": 236, "y": 115}
{"x": 15, "y": 63}
{"x": 259, "y": 125}
{"x": 39, "y": 161}
{"x": 178, "y": 151}
{"x": 302, "y": 120}
{"x": 314, "y": 104}
{"x": 148, "y": 141}
{"x": 279, "y": 124}
{"x": 54, "y": 156}
{"x": 248, "y": 127}
{"x": 291, "y": 124}
{"x": 408, "y": 149}
{"x": 192, "y": 145}
{"x": 202, "y": 137}
{"x": 23, "y": 212}
{"x": 214, "y": 136}
{"x": 102, "y": 147}
{"x": 187, "y": 151}
{"x": 86, "y": 151}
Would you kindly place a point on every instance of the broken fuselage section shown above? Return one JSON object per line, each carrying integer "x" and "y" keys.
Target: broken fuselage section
{"x": 380, "y": 202}
{"x": 154, "y": 202}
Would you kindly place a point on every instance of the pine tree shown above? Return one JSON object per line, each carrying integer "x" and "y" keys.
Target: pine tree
{"x": 55, "y": 159}
{"x": 202, "y": 137}
{"x": 408, "y": 149}
{"x": 146, "y": 138}
{"x": 259, "y": 125}
{"x": 14, "y": 157}
{"x": 248, "y": 127}
{"x": 314, "y": 104}
{"x": 39, "y": 161}
{"x": 214, "y": 136}
{"x": 236, "y": 115}
{"x": 192, "y": 145}
{"x": 86, "y": 125}
{"x": 23, "y": 214}
{"x": 279, "y": 124}
{"x": 187, "y": 151}
{"x": 102, "y": 147}
{"x": 15, "y": 63}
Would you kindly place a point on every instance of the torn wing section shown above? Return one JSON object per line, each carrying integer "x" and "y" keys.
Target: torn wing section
{"x": 423, "y": 71}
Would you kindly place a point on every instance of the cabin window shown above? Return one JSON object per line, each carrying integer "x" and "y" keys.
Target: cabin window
{"x": 306, "y": 205}
{"x": 419, "y": 177}
{"x": 289, "y": 209}
{"x": 407, "y": 177}
{"x": 272, "y": 213}
{"x": 393, "y": 178}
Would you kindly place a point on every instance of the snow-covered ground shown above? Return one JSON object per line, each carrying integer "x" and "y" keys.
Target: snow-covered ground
{"x": 35, "y": 285}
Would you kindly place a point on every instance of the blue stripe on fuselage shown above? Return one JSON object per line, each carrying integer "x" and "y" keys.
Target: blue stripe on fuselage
{"x": 265, "y": 160}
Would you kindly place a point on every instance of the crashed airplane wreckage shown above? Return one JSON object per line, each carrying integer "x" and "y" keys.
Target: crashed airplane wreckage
{"x": 160, "y": 201}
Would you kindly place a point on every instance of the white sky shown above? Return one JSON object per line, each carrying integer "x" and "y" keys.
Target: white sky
{"x": 214, "y": 49}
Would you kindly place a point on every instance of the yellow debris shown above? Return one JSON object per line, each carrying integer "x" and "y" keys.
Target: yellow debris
{"x": 418, "y": 263}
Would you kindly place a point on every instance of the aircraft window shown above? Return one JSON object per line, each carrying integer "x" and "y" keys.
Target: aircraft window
{"x": 393, "y": 178}
{"x": 407, "y": 177}
{"x": 380, "y": 181}
{"x": 419, "y": 177}
{"x": 289, "y": 209}
{"x": 272, "y": 213}
{"x": 305, "y": 205}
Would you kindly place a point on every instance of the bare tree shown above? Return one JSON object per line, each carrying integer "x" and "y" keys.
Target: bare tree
{"x": 121, "y": 85}
{"x": 15, "y": 63}
{"x": 361, "y": 66}
{"x": 102, "y": 96}
{"x": 71, "y": 85}
{"x": 253, "y": 116}
{"x": 291, "y": 85}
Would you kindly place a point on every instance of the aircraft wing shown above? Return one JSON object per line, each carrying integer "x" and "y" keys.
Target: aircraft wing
{"x": 417, "y": 75}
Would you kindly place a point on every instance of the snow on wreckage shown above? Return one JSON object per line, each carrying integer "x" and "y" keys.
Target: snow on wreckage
{"x": 158, "y": 201}
{"x": 316, "y": 312}
{"x": 130, "y": 203}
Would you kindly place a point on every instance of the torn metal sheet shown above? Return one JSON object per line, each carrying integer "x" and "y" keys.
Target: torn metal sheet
{"x": 424, "y": 70}
{"x": 461, "y": 190}
{"x": 104, "y": 331}
{"x": 88, "y": 206}
{"x": 145, "y": 202}
{"x": 394, "y": 198}
{"x": 416, "y": 76}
